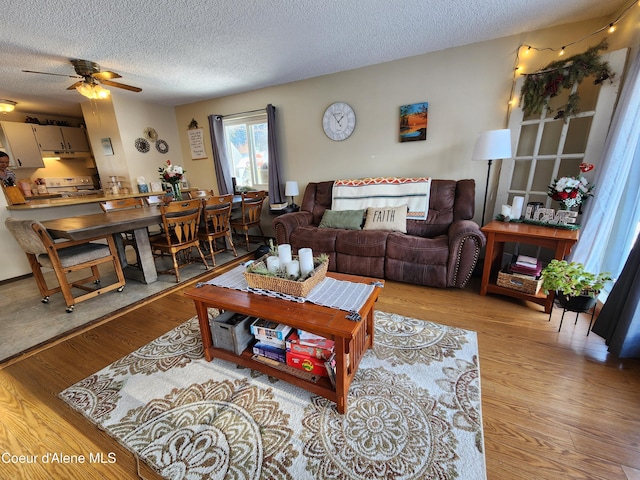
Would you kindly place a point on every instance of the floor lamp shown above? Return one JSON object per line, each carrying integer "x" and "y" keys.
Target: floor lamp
{"x": 492, "y": 145}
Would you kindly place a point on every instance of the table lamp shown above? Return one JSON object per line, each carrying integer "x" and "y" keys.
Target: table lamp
{"x": 492, "y": 145}
{"x": 291, "y": 190}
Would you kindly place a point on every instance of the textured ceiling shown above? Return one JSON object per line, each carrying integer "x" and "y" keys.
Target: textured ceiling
{"x": 183, "y": 51}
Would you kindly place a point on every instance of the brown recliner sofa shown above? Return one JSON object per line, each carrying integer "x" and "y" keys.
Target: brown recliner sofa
{"x": 440, "y": 251}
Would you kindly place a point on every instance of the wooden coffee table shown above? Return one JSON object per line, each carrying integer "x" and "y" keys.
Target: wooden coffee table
{"x": 352, "y": 338}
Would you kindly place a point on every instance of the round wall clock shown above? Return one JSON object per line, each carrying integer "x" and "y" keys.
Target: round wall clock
{"x": 339, "y": 121}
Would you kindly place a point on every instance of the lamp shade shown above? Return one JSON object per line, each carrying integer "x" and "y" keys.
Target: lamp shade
{"x": 291, "y": 189}
{"x": 492, "y": 145}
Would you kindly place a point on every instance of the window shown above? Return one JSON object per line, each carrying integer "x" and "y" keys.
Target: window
{"x": 246, "y": 141}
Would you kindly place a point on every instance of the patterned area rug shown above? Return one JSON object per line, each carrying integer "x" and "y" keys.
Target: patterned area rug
{"x": 413, "y": 411}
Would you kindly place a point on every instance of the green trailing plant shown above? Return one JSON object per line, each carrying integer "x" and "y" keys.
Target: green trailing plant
{"x": 539, "y": 87}
{"x": 572, "y": 279}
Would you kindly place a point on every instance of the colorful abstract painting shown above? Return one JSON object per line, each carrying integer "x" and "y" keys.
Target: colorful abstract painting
{"x": 413, "y": 122}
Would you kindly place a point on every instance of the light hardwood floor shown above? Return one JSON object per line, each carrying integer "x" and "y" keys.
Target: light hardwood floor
{"x": 555, "y": 405}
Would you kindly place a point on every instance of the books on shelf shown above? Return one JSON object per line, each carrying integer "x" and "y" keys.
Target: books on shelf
{"x": 526, "y": 266}
{"x": 278, "y": 206}
{"x": 526, "y": 261}
{"x": 274, "y": 342}
{"x": 270, "y": 329}
{"x": 330, "y": 365}
{"x": 303, "y": 335}
{"x": 307, "y": 363}
{"x": 270, "y": 351}
{"x": 321, "y": 348}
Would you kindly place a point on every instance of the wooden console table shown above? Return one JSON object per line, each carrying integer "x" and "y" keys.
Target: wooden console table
{"x": 498, "y": 233}
{"x": 352, "y": 338}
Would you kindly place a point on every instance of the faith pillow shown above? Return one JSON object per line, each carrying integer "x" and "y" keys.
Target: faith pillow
{"x": 387, "y": 218}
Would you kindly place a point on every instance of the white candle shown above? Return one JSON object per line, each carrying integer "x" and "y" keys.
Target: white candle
{"x": 516, "y": 208}
{"x": 293, "y": 269}
{"x": 506, "y": 210}
{"x": 284, "y": 253}
{"x": 273, "y": 264}
{"x": 306, "y": 261}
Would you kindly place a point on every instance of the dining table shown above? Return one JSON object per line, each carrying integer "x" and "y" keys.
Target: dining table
{"x": 116, "y": 222}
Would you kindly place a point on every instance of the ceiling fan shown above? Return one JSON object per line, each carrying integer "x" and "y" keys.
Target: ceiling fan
{"x": 92, "y": 77}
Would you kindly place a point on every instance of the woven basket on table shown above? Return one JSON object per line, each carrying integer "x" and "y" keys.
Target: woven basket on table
{"x": 520, "y": 284}
{"x": 283, "y": 285}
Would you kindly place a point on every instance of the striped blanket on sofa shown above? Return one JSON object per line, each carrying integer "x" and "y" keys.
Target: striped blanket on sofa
{"x": 358, "y": 194}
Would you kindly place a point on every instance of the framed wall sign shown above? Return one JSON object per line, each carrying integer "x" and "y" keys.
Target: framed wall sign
{"x": 107, "y": 148}
{"x": 196, "y": 143}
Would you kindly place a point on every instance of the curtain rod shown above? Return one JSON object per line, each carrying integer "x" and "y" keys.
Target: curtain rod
{"x": 245, "y": 113}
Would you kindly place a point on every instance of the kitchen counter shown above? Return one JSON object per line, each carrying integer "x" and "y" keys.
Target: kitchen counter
{"x": 38, "y": 203}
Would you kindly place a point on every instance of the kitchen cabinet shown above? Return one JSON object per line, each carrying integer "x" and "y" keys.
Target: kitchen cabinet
{"x": 20, "y": 140}
{"x": 53, "y": 138}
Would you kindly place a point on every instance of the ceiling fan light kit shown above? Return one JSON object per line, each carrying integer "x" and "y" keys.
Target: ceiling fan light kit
{"x": 7, "y": 106}
{"x": 91, "y": 78}
{"x": 92, "y": 91}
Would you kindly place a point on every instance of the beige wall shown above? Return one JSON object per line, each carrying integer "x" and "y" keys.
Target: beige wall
{"x": 468, "y": 89}
{"x": 123, "y": 120}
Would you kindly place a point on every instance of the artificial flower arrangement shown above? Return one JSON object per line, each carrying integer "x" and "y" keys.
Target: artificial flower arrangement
{"x": 171, "y": 173}
{"x": 572, "y": 191}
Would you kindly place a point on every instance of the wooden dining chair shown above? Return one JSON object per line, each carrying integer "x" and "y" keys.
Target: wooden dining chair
{"x": 251, "y": 211}
{"x": 121, "y": 204}
{"x": 153, "y": 200}
{"x": 216, "y": 211}
{"x": 180, "y": 221}
{"x": 66, "y": 257}
{"x": 128, "y": 238}
{"x": 202, "y": 193}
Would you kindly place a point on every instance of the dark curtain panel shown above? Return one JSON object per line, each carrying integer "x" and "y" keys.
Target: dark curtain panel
{"x": 619, "y": 319}
{"x": 276, "y": 193}
{"x": 220, "y": 163}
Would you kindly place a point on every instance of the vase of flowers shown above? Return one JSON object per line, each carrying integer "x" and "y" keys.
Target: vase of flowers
{"x": 172, "y": 174}
{"x": 572, "y": 191}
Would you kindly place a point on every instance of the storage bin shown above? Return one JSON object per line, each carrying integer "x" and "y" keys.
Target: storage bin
{"x": 517, "y": 282}
{"x": 230, "y": 331}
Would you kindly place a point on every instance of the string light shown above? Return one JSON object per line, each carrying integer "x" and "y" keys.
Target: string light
{"x": 611, "y": 28}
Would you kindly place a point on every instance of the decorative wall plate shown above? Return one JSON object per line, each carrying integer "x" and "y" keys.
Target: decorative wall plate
{"x": 142, "y": 145}
{"x": 162, "y": 146}
{"x": 150, "y": 134}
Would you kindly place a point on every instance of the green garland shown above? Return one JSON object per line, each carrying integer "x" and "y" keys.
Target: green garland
{"x": 544, "y": 84}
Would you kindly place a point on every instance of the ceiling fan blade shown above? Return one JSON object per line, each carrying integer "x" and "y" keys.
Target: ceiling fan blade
{"x": 47, "y": 73}
{"x": 105, "y": 75}
{"x": 120, "y": 85}
{"x": 77, "y": 84}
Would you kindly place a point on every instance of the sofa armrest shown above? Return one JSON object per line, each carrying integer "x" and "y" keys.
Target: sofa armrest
{"x": 465, "y": 242}
{"x": 285, "y": 224}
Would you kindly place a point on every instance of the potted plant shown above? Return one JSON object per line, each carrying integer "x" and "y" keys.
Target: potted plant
{"x": 576, "y": 288}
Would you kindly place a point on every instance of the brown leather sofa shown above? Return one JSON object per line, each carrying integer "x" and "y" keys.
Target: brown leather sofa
{"x": 440, "y": 251}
